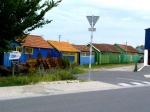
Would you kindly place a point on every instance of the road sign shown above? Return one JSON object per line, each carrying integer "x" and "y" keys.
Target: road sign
{"x": 92, "y": 20}
{"x": 89, "y": 18}
{"x": 14, "y": 55}
{"x": 92, "y": 29}
{"x": 95, "y": 19}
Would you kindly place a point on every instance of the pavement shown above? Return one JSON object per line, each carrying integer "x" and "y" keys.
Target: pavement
{"x": 57, "y": 87}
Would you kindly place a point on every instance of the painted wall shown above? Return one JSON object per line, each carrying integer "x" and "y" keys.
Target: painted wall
{"x": 73, "y": 57}
{"x": 129, "y": 57}
{"x": 24, "y": 56}
{"x": 147, "y": 38}
{"x": 86, "y": 60}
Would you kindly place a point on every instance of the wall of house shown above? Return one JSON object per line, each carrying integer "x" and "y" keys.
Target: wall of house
{"x": 6, "y": 61}
{"x": 104, "y": 58}
{"x": 72, "y": 56}
{"x": 25, "y": 56}
{"x": 114, "y": 58}
{"x": 147, "y": 47}
{"x": 86, "y": 59}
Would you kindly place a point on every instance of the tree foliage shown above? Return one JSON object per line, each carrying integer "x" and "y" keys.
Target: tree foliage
{"x": 19, "y": 17}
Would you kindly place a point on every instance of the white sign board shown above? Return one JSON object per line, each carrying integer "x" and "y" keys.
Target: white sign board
{"x": 14, "y": 55}
{"x": 92, "y": 29}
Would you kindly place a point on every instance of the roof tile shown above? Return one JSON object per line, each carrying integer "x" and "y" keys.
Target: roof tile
{"x": 63, "y": 46}
{"x": 101, "y": 47}
{"x": 82, "y": 48}
{"x": 112, "y": 48}
{"x": 36, "y": 41}
{"x": 128, "y": 48}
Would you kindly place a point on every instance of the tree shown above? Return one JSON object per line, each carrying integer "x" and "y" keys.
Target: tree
{"x": 19, "y": 17}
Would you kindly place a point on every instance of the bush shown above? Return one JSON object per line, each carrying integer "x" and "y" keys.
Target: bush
{"x": 65, "y": 74}
{"x": 65, "y": 63}
{"x": 41, "y": 76}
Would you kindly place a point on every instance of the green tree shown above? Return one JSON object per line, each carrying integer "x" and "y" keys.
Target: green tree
{"x": 19, "y": 17}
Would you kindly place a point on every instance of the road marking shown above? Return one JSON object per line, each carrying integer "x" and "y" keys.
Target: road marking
{"x": 124, "y": 84}
{"x": 146, "y": 82}
{"x": 147, "y": 76}
{"x": 131, "y": 79}
{"x": 136, "y": 83}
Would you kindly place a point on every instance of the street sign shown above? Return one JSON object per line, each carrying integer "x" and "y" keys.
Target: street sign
{"x": 92, "y": 20}
{"x": 95, "y": 19}
{"x": 14, "y": 55}
{"x": 89, "y": 18}
{"x": 92, "y": 29}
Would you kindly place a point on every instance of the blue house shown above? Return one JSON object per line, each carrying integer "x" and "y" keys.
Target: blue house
{"x": 29, "y": 47}
{"x": 84, "y": 55}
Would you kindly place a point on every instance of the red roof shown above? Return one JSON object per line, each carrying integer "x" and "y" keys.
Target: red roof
{"x": 127, "y": 48}
{"x": 101, "y": 47}
{"x": 82, "y": 48}
{"x": 36, "y": 41}
{"x": 112, "y": 48}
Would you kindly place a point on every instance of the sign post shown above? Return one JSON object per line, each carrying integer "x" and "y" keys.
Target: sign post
{"x": 92, "y": 20}
{"x": 14, "y": 56}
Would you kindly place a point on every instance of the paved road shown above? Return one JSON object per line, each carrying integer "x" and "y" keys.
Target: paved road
{"x": 121, "y": 78}
{"x": 119, "y": 100}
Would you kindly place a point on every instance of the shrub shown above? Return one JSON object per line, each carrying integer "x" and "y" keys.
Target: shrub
{"x": 65, "y": 63}
{"x": 65, "y": 74}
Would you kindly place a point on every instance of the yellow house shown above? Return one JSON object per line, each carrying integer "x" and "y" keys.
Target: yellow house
{"x": 65, "y": 49}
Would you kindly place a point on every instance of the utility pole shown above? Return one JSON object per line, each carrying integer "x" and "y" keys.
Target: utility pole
{"x": 92, "y": 20}
{"x": 59, "y": 37}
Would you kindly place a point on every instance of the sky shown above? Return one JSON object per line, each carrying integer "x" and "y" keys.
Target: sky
{"x": 121, "y": 22}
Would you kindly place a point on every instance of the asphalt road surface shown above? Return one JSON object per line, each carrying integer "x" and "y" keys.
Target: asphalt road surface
{"x": 116, "y": 100}
{"x": 121, "y": 78}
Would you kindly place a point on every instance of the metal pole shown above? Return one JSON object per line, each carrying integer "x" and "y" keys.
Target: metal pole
{"x": 59, "y": 37}
{"x": 91, "y": 50}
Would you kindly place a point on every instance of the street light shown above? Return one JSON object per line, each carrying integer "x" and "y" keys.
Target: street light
{"x": 92, "y": 20}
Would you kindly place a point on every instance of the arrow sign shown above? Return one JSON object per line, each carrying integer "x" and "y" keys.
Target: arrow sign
{"x": 92, "y": 19}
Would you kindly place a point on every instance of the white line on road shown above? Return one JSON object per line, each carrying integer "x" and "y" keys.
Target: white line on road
{"x": 146, "y": 82}
{"x": 136, "y": 83}
{"x": 124, "y": 84}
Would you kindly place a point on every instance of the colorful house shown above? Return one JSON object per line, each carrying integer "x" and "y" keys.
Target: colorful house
{"x": 65, "y": 49}
{"x": 128, "y": 53}
{"x": 31, "y": 46}
{"x": 147, "y": 47}
{"x": 106, "y": 53}
{"x": 84, "y": 55}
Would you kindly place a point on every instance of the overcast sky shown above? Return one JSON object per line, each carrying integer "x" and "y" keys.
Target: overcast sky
{"x": 120, "y": 21}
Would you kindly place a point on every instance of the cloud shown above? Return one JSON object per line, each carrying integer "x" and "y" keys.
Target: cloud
{"x": 117, "y": 24}
{"x": 126, "y": 4}
{"x": 127, "y": 19}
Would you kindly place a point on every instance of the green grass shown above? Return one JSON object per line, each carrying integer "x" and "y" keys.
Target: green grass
{"x": 52, "y": 75}
{"x": 41, "y": 76}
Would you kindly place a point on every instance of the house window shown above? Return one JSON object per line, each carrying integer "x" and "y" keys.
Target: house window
{"x": 19, "y": 49}
{"x": 88, "y": 54}
{"x": 82, "y": 54}
{"x": 28, "y": 50}
{"x": 65, "y": 53}
{"x": 93, "y": 53}
{"x": 72, "y": 54}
